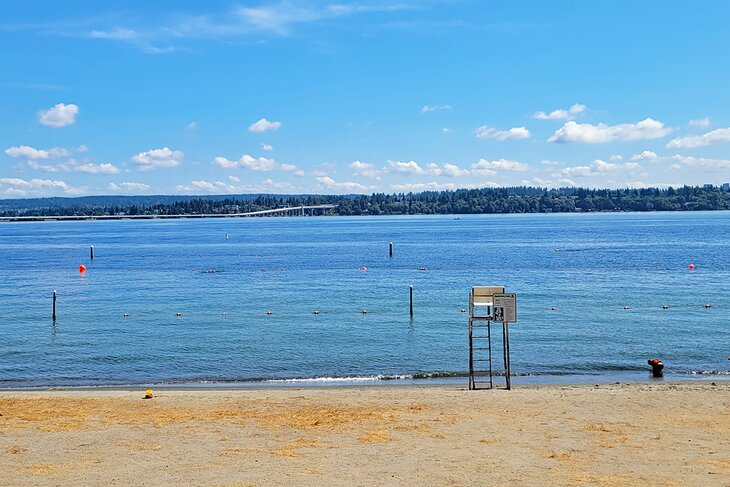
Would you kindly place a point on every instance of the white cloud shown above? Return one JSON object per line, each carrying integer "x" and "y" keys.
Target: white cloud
{"x": 192, "y": 126}
{"x": 487, "y": 168}
{"x": 116, "y": 34}
{"x": 329, "y": 183}
{"x": 446, "y": 130}
{"x": 360, "y": 168}
{"x": 515, "y": 133}
{"x": 31, "y": 153}
{"x": 700, "y": 122}
{"x": 128, "y": 186}
{"x": 432, "y": 186}
{"x": 689, "y": 142}
{"x": 645, "y": 155}
{"x": 264, "y": 125}
{"x": 616, "y": 157}
{"x": 434, "y": 108}
{"x": 155, "y": 158}
{"x": 573, "y": 132}
{"x": 207, "y": 187}
{"x": 702, "y": 162}
{"x": 542, "y": 183}
{"x": 451, "y": 170}
{"x": 299, "y": 172}
{"x": 59, "y": 115}
{"x": 561, "y": 113}
{"x": 92, "y": 168}
{"x": 277, "y": 18}
{"x": 23, "y": 187}
{"x": 234, "y": 179}
{"x": 599, "y": 168}
{"x": 82, "y": 148}
{"x": 550, "y": 162}
{"x": 410, "y": 167}
{"x": 36, "y": 166}
{"x": 267, "y": 147}
{"x": 261, "y": 164}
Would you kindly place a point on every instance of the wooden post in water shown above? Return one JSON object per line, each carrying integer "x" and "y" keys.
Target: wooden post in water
{"x": 391, "y": 249}
{"x": 411, "y": 289}
{"x": 54, "y": 305}
{"x": 91, "y": 252}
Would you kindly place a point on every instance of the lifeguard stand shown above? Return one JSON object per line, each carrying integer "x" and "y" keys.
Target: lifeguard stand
{"x": 481, "y": 302}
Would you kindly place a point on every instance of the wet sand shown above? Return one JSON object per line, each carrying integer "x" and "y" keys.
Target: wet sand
{"x": 663, "y": 434}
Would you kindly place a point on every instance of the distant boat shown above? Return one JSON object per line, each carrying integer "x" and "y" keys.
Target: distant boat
{"x": 226, "y": 236}
{"x": 457, "y": 218}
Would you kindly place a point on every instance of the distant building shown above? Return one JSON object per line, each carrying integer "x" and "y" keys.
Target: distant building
{"x": 708, "y": 186}
{"x": 725, "y": 186}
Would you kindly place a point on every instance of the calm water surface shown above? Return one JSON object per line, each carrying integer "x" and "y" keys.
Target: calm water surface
{"x": 588, "y": 266}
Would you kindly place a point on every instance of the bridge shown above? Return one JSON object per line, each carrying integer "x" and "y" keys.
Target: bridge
{"x": 287, "y": 211}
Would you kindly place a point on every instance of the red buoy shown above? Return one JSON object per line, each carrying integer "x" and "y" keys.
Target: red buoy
{"x": 82, "y": 268}
{"x": 691, "y": 267}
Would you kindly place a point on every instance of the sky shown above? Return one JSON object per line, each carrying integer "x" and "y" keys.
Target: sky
{"x": 191, "y": 97}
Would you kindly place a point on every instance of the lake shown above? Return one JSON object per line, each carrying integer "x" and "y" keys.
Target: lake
{"x": 197, "y": 301}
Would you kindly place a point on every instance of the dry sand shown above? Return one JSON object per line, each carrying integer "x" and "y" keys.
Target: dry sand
{"x": 668, "y": 434}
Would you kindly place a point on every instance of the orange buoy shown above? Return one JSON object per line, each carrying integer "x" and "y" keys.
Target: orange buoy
{"x": 691, "y": 267}
{"x": 82, "y": 268}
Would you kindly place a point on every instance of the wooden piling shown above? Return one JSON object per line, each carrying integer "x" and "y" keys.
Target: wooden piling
{"x": 391, "y": 249}
{"x": 91, "y": 252}
{"x": 54, "y": 305}
{"x": 411, "y": 290}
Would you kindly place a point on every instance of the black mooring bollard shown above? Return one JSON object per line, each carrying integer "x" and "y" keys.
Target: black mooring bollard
{"x": 657, "y": 367}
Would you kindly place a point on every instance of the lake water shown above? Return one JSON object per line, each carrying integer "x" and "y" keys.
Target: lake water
{"x": 588, "y": 266}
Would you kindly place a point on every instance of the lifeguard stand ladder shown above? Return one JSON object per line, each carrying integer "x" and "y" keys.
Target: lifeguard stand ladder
{"x": 481, "y": 302}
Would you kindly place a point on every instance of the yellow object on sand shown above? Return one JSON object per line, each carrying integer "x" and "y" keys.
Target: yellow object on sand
{"x": 148, "y": 394}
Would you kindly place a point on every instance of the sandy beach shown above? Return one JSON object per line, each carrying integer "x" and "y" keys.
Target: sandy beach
{"x": 667, "y": 434}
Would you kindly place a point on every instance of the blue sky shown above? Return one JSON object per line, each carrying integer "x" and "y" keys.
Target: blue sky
{"x": 356, "y": 97}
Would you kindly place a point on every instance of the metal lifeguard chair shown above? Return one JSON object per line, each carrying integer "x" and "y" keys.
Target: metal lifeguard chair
{"x": 481, "y": 303}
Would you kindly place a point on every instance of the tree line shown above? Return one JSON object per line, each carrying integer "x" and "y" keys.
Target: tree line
{"x": 520, "y": 199}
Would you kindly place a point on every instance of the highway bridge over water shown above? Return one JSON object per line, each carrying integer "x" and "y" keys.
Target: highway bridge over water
{"x": 287, "y": 211}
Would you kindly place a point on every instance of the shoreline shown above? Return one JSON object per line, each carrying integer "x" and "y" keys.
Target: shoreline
{"x": 661, "y": 434}
{"x": 522, "y": 380}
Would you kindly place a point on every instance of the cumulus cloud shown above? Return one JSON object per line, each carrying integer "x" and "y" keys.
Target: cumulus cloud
{"x": 692, "y": 141}
{"x": 329, "y": 183}
{"x": 24, "y": 187}
{"x": 700, "y": 122}
{"x": 434, "y": 108}
{"x": 573, "y": 132}
{"x": 156, "y": 158}
{"x": 645, "y": 155}
{"x": 31, "y": 153}
{"x": 561, "y": 113}
{"x": 366, "y": 169}
{"x": 702, "y": 162}
{"x": 264, "y": 125}
{"x": 515, "y": 133}
{"x": 432, "y": 186}
{"x": 92, "y": 168}
{"x": 599, "y": 167}
{"x": 128, "y": 186}
{"x": 448, "y": 169}
{"x": 484, "y": 167}
{"x": 261, "y": 164}
{"x": 267, "y": 147}
{"x": 192, "y": 126}
{"x": 410, "y": 167}
{"x": 59, "y": 115}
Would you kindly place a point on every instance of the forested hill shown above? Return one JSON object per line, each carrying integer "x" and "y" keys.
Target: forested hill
{"x": 463, "y": 201}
